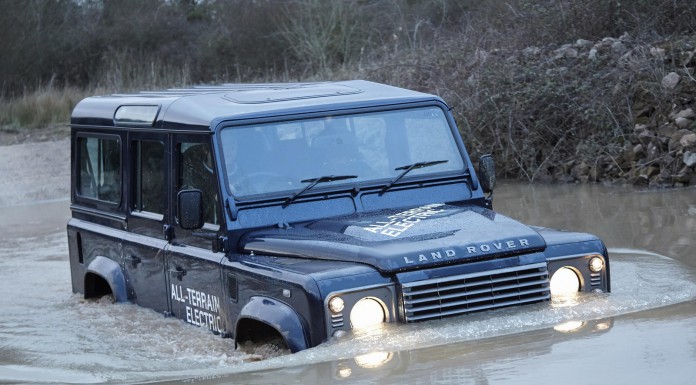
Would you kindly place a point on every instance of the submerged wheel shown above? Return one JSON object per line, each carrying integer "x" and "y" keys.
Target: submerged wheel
{"x": 269, "y": 348}
{"x": 260, "y": 340}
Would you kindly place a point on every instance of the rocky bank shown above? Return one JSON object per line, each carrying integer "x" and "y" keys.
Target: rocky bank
{"x": 658, "y": 148}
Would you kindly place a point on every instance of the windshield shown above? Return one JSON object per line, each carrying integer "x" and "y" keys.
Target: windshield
{"x": 279, "y": 157}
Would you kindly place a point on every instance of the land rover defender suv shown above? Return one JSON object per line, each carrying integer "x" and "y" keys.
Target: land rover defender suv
{"x": 300, "y": 211}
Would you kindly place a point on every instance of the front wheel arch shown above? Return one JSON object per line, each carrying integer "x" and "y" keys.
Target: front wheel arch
{"x": 263, "y": 318}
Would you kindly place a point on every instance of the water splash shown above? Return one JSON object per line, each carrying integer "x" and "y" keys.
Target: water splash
{"x": 49, "y": 334}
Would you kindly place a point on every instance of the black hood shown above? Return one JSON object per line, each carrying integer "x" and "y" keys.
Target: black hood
{"x": 397, "y": 240}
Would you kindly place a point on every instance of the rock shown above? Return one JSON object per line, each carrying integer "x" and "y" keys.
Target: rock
{"x": 643, "y": 110}
{"x": 640, "y": 128}
{"x": 683, "y": 176}
{"x": 657, "y": 52}
{"x": 670, "y": 81}
{"x": 676, "y": 139}
{"x": 685, "y": 58}
{"x": 687, "y": 113}
{"x": 618, "y": 48}
{"x": 593, "y": 54}
{"x": 663, "y": 142}
{"x": 625, "y": 37}
{"x": 566, "y": 51}
{"x": 531, "y": 51}
{"x": 689, "y": 158}
{"x": 683, "y": 122}
{"x": 627, "y": 156}
{"x": 581, "y": 172}
{"x": 640, "y": 180}
{"x": 638, "y": 150}
{"x": 646, "y": 135}
{"x": 688, "y": 140}
{"x": 667, "y": 130}
{"x": 582, "y": 43}
{"x": 651, "y": 171}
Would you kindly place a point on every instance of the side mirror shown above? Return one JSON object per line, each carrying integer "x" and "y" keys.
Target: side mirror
{"x": 189, "y": 208}
{"x": 486, "y": 173}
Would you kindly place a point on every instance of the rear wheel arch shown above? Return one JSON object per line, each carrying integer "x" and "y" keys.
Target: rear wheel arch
{"x": 104, "y": 276}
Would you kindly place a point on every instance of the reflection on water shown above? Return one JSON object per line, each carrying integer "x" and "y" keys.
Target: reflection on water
{"x": 660, "y": 221}
{"x": 47, "y": 334}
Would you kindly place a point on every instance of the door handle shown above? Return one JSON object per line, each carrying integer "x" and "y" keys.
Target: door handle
{"x": 179, "y": 273}
{"x": 134, "y": 260}
{"x": 168, "y": 232}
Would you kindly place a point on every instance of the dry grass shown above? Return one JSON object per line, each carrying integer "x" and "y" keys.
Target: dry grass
{"x": 41, "y": 108}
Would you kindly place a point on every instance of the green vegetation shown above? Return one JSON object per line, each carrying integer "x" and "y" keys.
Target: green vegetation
{"x": 553, "y": 88}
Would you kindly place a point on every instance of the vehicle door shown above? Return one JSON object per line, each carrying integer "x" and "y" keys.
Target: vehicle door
{"x": 148, "y": 218}
{"x": 193, "y": 268}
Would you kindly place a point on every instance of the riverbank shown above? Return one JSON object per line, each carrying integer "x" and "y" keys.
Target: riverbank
{"x": 12, "y": 135}
{"x": 34, "y": 168}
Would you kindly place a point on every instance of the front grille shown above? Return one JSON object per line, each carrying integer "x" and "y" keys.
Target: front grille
{"x": 449, "y": 296}
{"x": 337, "y": 320}
{"x": 595, "y": 279}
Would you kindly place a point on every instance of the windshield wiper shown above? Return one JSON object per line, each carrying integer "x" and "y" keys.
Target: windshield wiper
{"x": 408, "y": 169}
{"x": 315, "y": 181}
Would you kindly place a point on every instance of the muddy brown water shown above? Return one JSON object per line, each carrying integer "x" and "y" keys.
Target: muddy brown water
{"x": 643, "y": 332}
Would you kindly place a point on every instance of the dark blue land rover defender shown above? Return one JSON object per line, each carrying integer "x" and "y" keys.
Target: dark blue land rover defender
{"x": 297, "y": 212}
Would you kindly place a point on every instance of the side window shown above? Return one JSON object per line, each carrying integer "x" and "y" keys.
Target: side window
{"x": 196, "y": 171}
{"x": 149, "y": 193}
{"x": 99, "y": 174}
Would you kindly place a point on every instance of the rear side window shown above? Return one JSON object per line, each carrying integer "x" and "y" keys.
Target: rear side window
{"x": 99, "y": 175}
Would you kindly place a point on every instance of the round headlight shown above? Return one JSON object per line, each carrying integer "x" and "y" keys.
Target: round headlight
{"x": 596, "y": 264}
{"x": 367, "y": 312}
{"x": 564, "y": 282}
{"x": 336, "y": 304}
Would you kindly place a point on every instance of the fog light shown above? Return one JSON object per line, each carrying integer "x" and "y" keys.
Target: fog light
{"x": 336, "y": 304}
{"x": 564, "y": 282}
{"x": 367, "y": 312}
{"x": 596, "y": 264}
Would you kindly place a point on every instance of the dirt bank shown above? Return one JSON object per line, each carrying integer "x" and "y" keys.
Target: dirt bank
{"x": 35, "y": 171}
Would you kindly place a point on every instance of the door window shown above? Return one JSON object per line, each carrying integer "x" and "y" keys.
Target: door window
{"x": 196, "y": 171}
{"x": 149, "y": 190}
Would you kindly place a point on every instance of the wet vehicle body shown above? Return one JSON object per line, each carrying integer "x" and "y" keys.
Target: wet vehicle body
{"x": 297, "y": 212}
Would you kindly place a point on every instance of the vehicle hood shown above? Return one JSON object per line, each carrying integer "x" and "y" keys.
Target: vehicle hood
{"x": 399, "y": 240}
